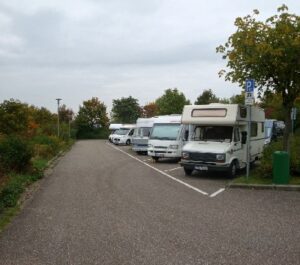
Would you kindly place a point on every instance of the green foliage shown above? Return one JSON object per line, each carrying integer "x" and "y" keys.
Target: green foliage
{"x": 207, "y": 97}
{"x": 14, "y": 117}
{"x": 267, "y": 51}
{"x": 126, "y": 110}
{"x": 10, "y": 194}
{"x": 238, "y": 99}
{"x": 15, "y": 153}
{"x": 91, "y": 116}
{"x": 46, "y": 146}
{"x": 171, "y": 102}
{"x": 88, "y": 133}
{"x": 266, "y": 166}
{"x": 16, "y": 184}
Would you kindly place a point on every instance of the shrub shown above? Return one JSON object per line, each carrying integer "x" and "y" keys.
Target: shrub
{"x": 10, "y": 194}
{"x": 266, "y": 165}
{"x": 46, "y": 146}
{"x": 15, "y": 154}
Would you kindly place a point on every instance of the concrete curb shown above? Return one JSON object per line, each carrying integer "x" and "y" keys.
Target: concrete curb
{"x": 264, "y": 187}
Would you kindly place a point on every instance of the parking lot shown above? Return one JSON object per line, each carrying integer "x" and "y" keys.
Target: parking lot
{"x": 103, "y": 204}
{"x": 210, "y": 184}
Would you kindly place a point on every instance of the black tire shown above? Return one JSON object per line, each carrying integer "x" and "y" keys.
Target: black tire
{"x": 188, "y": 171}
{"x": 155, "y": 158}
{"x": 128, "y": 142}
{"x": 233, "y": 169}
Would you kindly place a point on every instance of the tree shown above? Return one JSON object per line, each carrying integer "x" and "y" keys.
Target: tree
{"x": 207, "y": 97}
{"x": 126, "y": 110}
{"x": 150, "y": 110}
{"x": 92, "y": 119}
{"x": 238, "y": 99}
{"x": 65, "y": 114}
{"x": 269, "y": 52}
{"x": 272, "y": 104}
{"x": 172, "y": 102}
{"x": 14, "y": 117}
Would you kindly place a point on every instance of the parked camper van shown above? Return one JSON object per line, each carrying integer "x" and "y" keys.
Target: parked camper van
{"x": 124, "y": 134}
{"x": 166, "y": 138}
{"x": 141, "y": 135}
{"x": 112, "y": 128}
{"x": 218, "y": 136}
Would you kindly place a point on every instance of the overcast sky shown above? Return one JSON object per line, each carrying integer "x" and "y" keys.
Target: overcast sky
{"x": 78, "y": 49}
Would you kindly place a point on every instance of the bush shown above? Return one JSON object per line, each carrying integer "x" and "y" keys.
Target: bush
{"x": 266, "y": 165}
{"x": 10, "y": 194}
{"x": 46, "y": 146}
{"x": 15, "y": 154}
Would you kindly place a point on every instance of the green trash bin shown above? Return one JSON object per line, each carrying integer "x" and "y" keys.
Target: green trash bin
{"x": 281, "y": 167}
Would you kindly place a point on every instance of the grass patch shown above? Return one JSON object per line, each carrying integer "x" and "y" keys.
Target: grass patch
{"x": 255, "y": 179}
{"x": 7, "y": 215}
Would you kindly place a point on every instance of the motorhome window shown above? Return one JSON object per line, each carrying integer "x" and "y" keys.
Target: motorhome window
{"x": 165, "y": 131}
{"x": 262, "y": 127}
{"x": 145, "y": 131}
{"x": 209, "y": 113}
{"x": 236, "y": 135}
{"x": 131, "y": 132}
{"x": 122, "y": 131}
{"x": 253, "y": 129}
{"x": 243, "y": 112}
{"x": 213, "y": 133}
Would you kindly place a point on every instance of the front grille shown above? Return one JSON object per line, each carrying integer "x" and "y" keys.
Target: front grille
{"x": 160, "y": 147}
{"x": 204, "y": 157}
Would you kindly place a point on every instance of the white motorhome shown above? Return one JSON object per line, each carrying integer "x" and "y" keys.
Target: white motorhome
{"x": 141, "y": 134}
{"x": 124, "y": 134}
{"x": 166, "y": 138}
{"x": 112, "y": 128}
{"x": 218, "y": 137}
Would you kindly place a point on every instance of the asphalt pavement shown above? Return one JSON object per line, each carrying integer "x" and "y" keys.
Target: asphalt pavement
{"x": 106, "y": 205}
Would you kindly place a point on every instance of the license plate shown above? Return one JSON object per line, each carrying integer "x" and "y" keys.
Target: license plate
{"x": 201, "y": 167}
{"x": 159, "y": 154}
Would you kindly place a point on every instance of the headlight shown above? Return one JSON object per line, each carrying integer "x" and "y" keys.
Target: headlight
{"x": 220, "y": 157}
{"x": 185, "y": 155}
{"x": 173, "y": 146}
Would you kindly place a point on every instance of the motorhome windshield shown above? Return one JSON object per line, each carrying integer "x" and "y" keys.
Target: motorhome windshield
{"x": 212, "y": 133}
{"x": 165, "y": 131}
{"x": 122, "y": 131}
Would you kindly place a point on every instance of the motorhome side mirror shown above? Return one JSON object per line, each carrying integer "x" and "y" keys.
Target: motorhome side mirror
{"x": 244, "y": 137}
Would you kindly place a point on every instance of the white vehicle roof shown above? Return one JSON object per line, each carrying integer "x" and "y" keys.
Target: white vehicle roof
{"x": 175, "y": 118}
{"x": 114, "y": 126}
{"x": 128, "y": 126}
{"x": 145, "y": 122}
{"x": 220, "y": 114}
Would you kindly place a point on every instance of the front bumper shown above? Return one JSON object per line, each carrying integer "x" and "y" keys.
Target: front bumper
{"x": 140, "y": 148}
{"x": 119, "y": 141}
{"x": 164, "y": 153}
{"x": 200, "y": 166}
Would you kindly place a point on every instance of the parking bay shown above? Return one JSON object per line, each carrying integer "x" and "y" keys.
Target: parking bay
{"x": 209, "y": 182}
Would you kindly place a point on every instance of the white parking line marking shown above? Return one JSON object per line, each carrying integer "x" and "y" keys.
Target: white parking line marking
{"x": 216, "y": 193}
{"x": 172, "y": 169}
{"x": 147, "y": 159}
{"x": 161, "y": 172}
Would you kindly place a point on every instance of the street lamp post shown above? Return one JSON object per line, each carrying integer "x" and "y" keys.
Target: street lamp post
{"x": 58, "y": 100}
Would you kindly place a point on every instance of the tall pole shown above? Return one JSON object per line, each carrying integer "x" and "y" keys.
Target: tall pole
{"x": 248, "y": 142}
{"x": 58, "y": 100}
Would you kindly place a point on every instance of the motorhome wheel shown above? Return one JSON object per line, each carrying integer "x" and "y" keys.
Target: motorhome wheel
{"x": 188, "y": 171}
{"x": 128, "y": 142}
{"x": 233, "y": 169}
